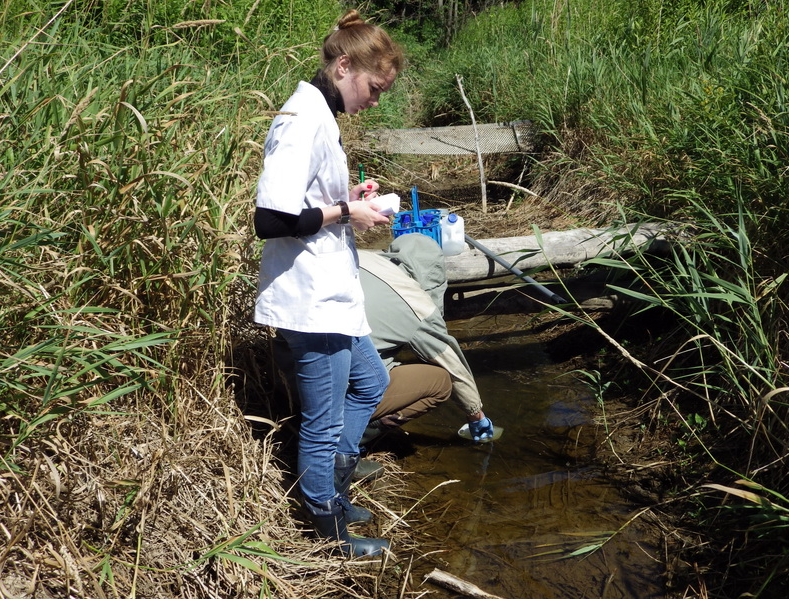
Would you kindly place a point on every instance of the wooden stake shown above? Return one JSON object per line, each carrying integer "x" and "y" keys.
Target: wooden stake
{"x": 476, "y": 142}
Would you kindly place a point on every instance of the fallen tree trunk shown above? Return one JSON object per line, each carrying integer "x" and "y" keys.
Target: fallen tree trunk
{"x": 560, "y": 249}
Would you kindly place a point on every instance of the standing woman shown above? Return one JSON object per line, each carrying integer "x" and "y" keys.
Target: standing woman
{"x": 309, "y": 285}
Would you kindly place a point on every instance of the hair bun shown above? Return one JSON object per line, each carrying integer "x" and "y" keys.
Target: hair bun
{"x": 350, "y": 19}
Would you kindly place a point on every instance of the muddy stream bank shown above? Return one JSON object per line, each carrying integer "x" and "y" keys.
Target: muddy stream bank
{"x": 531, "y": 515}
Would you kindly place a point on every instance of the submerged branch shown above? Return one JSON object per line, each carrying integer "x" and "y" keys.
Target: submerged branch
{"x": 458, "y": 585}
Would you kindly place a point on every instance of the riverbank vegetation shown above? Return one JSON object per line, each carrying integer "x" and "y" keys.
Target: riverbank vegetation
{"x": 674, "y": 110}
{"x": 131, "y": 136}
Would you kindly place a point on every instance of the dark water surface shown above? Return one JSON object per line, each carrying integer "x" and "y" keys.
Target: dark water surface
{"x": 523, "y": 504}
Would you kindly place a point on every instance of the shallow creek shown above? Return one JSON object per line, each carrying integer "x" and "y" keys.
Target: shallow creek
{"x": 526, "y": 510}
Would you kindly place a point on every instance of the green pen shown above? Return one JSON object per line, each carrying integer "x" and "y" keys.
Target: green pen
{"x": 361, "y": 177}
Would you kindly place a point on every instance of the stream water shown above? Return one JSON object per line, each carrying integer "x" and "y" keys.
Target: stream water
{"x": 526, "y": 512}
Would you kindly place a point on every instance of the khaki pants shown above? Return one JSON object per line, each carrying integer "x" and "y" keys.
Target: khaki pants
{"x": 414, "y": 390}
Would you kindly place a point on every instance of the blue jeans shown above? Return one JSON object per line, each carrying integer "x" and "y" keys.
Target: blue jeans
{"x": 340, "y": 380}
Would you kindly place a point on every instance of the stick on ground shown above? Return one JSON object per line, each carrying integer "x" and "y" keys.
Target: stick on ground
{"x": 453, "y": 583}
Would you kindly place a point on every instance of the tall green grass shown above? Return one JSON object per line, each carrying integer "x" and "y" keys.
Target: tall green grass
{"x": 130, "y": 140}
{"x": 668, "y": 96}
{"x": 679, "y": 107}
{"x": 131, "y": 137}
{"x": 719, "y": 375}
{"x": 127, "y": 173}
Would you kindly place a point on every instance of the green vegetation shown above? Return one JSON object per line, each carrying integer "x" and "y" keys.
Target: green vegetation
{"x": 669, "y": 98}
{"x": 126, "y": 184}
{"x": 131, "y": 136}
{"x": 720, "y": 376}
{"x": 681, "y": 108}
{"x": 130, "y": 140}
{"x": 126, "y": 180}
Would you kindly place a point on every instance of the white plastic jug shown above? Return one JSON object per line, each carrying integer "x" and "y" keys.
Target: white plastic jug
{"x": 453, "y": 237}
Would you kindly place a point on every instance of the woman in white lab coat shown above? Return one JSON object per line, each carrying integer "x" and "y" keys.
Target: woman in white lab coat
{"x": 309, "y": 285}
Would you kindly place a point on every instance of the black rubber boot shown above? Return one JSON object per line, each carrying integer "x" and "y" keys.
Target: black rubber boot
{"x": 371, "y": 432}
{"x": 328, "y": 519}
{"x": 344, "y": 467}
{"x": 367, "y": 470}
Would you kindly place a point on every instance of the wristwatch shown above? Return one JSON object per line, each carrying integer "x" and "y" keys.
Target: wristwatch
{"x": 345, "y": 216}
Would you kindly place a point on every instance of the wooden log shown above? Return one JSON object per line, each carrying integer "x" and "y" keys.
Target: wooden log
{"x": 458, "y": 585}
{"x": 560, "y": 249}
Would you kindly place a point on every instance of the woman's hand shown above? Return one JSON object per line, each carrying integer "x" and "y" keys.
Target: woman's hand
{"x": 369, "y": 188}
{"x": 365, "y": 216}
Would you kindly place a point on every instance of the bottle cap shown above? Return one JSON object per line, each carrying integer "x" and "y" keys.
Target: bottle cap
{"x": 452, "y": 217}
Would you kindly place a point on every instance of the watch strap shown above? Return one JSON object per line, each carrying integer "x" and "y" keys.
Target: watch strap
{"x": 345, "y": 213}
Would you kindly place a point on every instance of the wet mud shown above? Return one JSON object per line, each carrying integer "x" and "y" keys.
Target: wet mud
{"x": 531, "y": 515}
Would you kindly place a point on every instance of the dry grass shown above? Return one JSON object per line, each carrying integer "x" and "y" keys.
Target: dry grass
{"x": 563, "y": 193}
{"x": 150, "y": 501}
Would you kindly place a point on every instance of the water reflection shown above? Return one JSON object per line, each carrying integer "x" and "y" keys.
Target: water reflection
{"x": 525, "y": 503}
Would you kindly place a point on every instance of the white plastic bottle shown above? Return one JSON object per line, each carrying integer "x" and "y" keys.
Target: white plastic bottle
{"x": 453, "y": 238}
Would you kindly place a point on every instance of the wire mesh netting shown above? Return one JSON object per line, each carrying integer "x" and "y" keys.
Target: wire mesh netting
{"x": 494, "y": 138}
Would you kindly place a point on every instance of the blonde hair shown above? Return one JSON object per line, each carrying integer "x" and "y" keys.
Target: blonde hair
{"x": 368, "y": 47}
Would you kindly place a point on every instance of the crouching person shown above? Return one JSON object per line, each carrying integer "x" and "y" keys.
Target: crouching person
{"x": 404, "y": 301}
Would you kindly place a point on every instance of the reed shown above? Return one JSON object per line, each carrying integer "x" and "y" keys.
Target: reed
{"x": 719, "y": 375}
{"x": 127, "y": 171}
{"x": 131, "y": 137}
{"x": 676, "y": 110}
{"x": 662, "y": 101}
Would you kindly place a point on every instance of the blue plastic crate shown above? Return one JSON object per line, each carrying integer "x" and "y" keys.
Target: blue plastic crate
{"x": 429, "y": 224}
{"x": 426, "y": 222}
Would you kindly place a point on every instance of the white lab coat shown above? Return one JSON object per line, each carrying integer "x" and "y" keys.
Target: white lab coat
{"x": 308, "y": 284}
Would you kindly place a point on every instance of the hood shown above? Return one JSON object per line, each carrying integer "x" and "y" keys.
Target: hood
{"x": 423, "y": 260}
